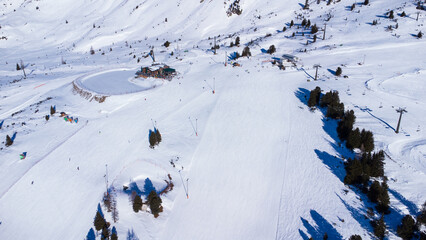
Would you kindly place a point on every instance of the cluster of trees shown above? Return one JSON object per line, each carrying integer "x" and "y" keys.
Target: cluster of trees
{"x": 237, "y": 42}
{"x": 234, "y": 8}
{"x": 354, "y": 138}
{"x": 110, "y": 202}
{"x": 153, "y": 201}
{"x": 359, "y": 171}
{"x": 409, "y": 227}
{"x": 271, "y": 49}
{"x": 154, "y": 137}
{"x": 102, "y": 225}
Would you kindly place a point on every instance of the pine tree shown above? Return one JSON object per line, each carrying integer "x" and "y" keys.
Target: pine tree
{"x": 420, "y": 34}
{"x": 403, "y": 14}
{"x": 314, "y": 29}
{"x": 154, "y": 202}
{"x": 374, "y": 191}
{"x": 367, "y": 140}
{"x": 291, "y": 23}
{"x": 421, "y": 219}
{"x": 271, "y": 49}
{"x": 303, "y": 22}
{"x": 137, "y": 203}
{"x": 92, "y": 51}
{"x": 376, "y": 163}
{"x": 325, "y": 237}
{"x": 354, "y": 139}
{"x": 52, "y": 110}
{"x": 99, "y": 221}
{"x": 345, "y": 126}
{"x": 383, "y": 199}
{"x": 308, "y": 24}
{"x": 152, "y": 139}
{"x": 338, "y": 71}
{"x": 237, "y": 41}
{"x": 315, "y": 38}
{"x": 18, "y": 68}
{"x": 391, "y": 14}
{"x": 366, "y": 2}
{"x": 105, "y": 233}
{"x": 335, "y": 110}
{"x": 407, "y": 228}
{"x": 355, "y": 237}
{"x": 9, "y": 141}
{"x": 379, "y": 227}
{"x": 353, "y": 7}
{"x": 314, "y": 97}
{"x": 114, "y": 234}
{"x": 246, "y": 52}
{"x": 91, "y": 235}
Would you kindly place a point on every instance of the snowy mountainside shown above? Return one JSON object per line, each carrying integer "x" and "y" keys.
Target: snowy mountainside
{"x": 246, "y": 156}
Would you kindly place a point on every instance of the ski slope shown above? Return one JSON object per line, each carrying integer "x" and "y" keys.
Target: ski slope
{"x": 248, "y": 160}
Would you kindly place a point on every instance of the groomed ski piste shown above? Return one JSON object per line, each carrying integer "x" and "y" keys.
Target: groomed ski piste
{"x": 247, "y": 161}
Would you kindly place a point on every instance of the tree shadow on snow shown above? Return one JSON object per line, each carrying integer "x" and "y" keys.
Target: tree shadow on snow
{"x": 359, "y": 215}
{"x": 412, "y": 208}
{"x": 303, "y": 95}
{"x": 322, "y": 227}
{"x": 335, "y": 165}
{"x": 332, "y": 71}
{"x": 148, "y": 187}
{"x": 367, "y": 110}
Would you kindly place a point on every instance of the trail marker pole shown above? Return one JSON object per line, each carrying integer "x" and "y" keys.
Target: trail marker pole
{"x": 106, "y": 178}
{"x": 316, "y": 72}
{"x": 196, "y": 127}
{"x": 401, "y": 111}
{"x": 184, "y": 188}
{"x": 214, "y": 45}
{"x": 325, "y": 27}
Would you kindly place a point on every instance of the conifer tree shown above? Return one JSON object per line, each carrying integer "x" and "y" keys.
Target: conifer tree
{"x": 345, "y": 126}
{"x": 421, "y": 219}
{"x": 291, "y": 23}
{"x": 420, "y": 34}
{"x": 99, "y": 221}
{"x": 237, "y": 41}
{"x": 379, "y": 227}
{"x": 314, "y": 97}
{"x": 154, "y": 202}
{"x": 246, "y": 52}
{"x": 303, "y": 22}
{"x": 366, "y": 2}
{"x": 383, "y": 199}
{"x": 137, "y": 203}
{"x": 314, "y": 29}
{"x": 152, "y": 139}
{"x": 114, "y": 234}
{"x": 9, "y": 141}
{"x": 407, "y": 228}
{"x": 18, "y": 68}
{"x": 354, "y": 139}
{"x": 403, "y": 14}
{"x": 391, "y": 14}
{"x": 338, "y": 71}
{"x": 355, "y": 237}
{"x": 367, "y": 140}
{"x": 105, "y": 233}
{"x": 271, "y": 49}
{"x": 52, "y": 110}
{"x": 335, "y": 110}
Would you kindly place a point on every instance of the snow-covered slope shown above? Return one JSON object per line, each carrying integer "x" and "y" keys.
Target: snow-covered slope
{"x": 248, "y": 161}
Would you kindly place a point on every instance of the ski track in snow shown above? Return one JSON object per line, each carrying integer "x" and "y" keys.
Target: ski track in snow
{"x": 43, "y": 157}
